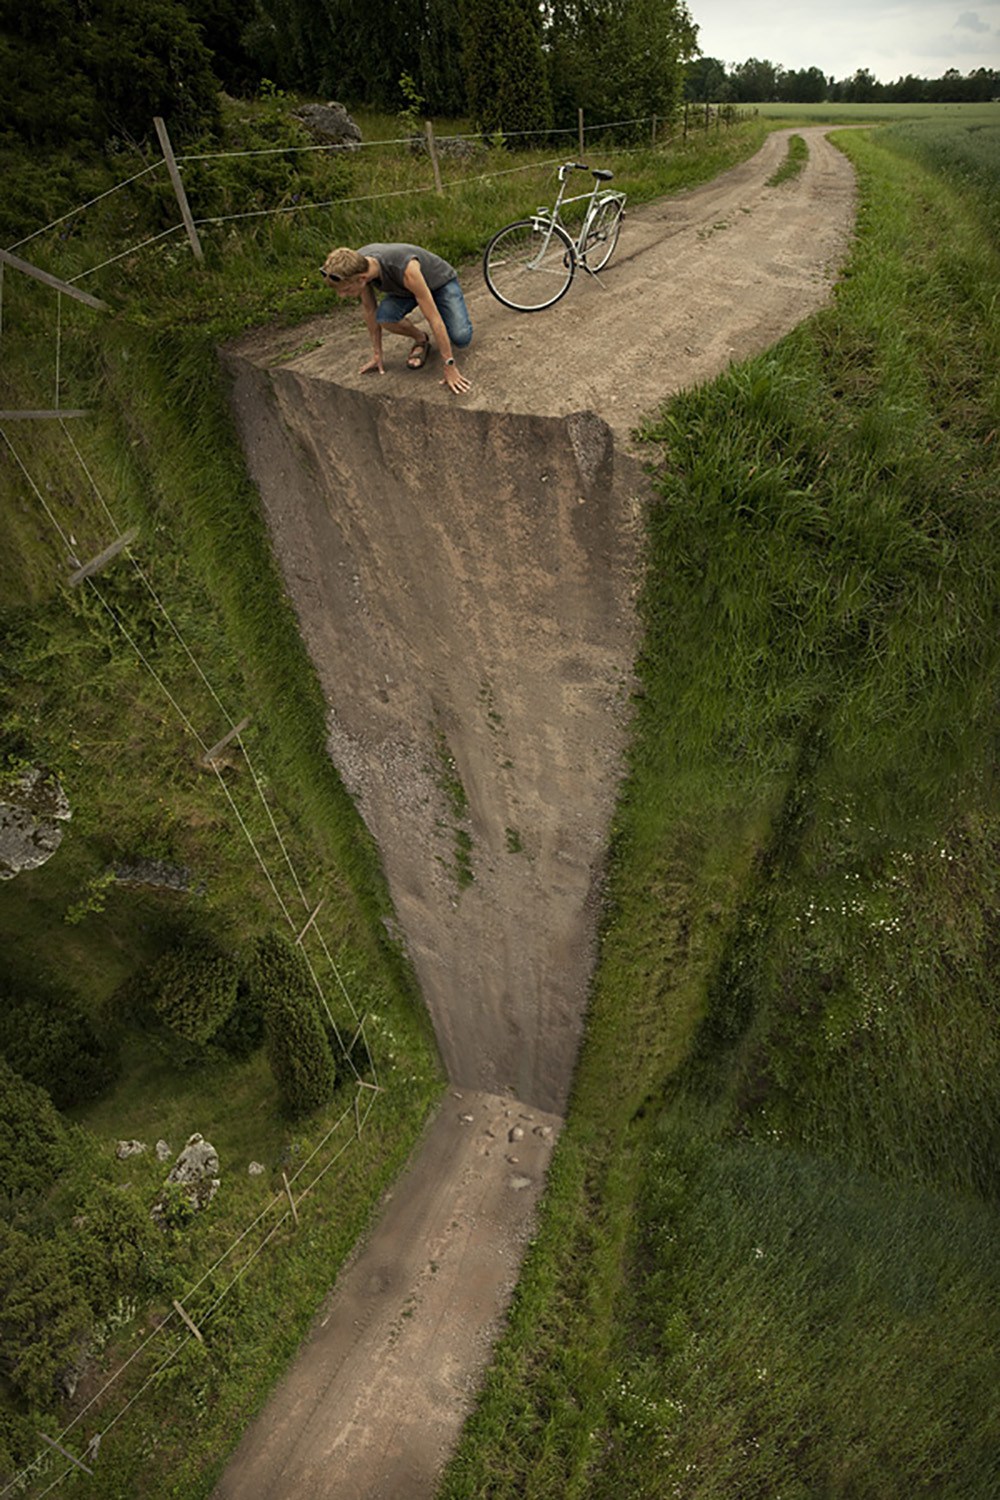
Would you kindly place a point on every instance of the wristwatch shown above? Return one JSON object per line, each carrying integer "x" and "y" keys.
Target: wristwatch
{"x": 450, "y": 360}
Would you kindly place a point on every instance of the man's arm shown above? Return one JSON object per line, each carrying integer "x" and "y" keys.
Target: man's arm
{"x": 369, "y": 303}
{"x": 413, "y": 280}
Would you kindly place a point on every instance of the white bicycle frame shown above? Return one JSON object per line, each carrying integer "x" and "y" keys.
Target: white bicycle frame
{"x": 545, "y": 219}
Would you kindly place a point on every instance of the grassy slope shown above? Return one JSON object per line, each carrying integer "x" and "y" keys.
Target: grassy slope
{"x": 767, "y": 1262}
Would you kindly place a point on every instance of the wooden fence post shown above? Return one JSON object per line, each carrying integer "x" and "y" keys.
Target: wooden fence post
{"x": 432, "y": 149}
{"x": 579, "y": 125}
{"x": 685, "y": 119}
{"x": 175, "y": 178}
{"x": 652, "y": 139}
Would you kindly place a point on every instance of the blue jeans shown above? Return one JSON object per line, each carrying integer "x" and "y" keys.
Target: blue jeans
{"x": 450, "y": 304}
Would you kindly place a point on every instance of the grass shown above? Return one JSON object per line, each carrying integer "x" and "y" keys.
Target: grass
{"x": 159, "y": 453}
{"x": 795, "y": 159}
{"x": 766, "y": 1263}
{"x": 874, "y": 114}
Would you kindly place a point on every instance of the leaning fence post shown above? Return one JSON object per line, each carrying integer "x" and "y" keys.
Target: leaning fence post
{"x": 579, "y": 123}
{"x": 175, "y": 178}
{"x": 432, "y": 149}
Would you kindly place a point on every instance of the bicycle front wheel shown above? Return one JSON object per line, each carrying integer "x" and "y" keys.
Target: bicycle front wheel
{"x": 602, "y": 235}
{"x": 529, "y": 265}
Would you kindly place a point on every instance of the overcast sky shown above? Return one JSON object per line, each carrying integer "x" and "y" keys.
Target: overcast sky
{"x": 923, "y": 37}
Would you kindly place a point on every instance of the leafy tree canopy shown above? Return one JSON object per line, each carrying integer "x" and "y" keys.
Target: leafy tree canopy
{"x": 88, "y": 71}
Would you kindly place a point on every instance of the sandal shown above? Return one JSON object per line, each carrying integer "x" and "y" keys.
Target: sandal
{"x": 417, "y": 356}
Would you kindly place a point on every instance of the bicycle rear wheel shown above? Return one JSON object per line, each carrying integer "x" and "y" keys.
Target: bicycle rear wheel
{"x": 529, "y": 265}
{"x": 602, "y": 236}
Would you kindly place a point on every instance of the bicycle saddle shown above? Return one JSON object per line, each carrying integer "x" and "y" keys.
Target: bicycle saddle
{"x": 601, "y": 174}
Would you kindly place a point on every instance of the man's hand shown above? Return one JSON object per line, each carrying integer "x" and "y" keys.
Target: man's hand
{"x": 373, "y": 364}
{"x": 455, "y": 380}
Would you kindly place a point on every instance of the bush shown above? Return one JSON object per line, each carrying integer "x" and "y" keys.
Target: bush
{"x": 48, "y": 1038}
{"x": 35, "y": 1146}
{"x": 193, "y": 990}
{"x": 243, "y": 1032}
{"x": 44, "y": 1318}
{"x": 115, "y": 1252}
{"x": 297, "y": 1047}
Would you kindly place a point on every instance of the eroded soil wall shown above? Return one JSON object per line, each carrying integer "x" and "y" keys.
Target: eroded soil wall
{"x": 463, "y": 580}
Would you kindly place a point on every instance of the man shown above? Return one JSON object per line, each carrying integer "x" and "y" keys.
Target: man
{"x": 408, "y": 277}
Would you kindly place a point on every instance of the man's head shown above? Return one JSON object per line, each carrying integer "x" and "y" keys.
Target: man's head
{"x": 345, "y": 271}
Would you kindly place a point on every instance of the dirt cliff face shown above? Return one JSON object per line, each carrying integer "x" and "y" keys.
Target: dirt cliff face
{"x": 463, "y": 573}
{"x": 462, "y": 579}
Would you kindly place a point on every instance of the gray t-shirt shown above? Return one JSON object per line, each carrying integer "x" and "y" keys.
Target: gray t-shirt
{"x": 393, "y": 261}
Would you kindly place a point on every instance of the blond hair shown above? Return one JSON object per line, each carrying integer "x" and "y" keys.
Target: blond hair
{"x": 345, "y": 264}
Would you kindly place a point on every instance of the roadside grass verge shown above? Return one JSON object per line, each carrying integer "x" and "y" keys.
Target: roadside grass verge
{"x": 767, "y": 1259}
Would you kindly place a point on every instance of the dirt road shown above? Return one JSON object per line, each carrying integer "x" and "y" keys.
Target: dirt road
{"x": 464, "y": 572}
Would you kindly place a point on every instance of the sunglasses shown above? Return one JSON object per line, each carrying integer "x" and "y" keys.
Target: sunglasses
{"x": 329, "y": 275}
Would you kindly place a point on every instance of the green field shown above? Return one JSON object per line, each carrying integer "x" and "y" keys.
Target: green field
{"x": 872, "y": 114}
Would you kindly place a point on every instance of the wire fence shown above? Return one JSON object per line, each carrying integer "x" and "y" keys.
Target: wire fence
{"x": 702, "y": 116}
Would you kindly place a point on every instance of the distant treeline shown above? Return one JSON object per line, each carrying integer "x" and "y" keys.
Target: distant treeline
{"x": 95, "y": 72}
{"x": 758, "y": 81}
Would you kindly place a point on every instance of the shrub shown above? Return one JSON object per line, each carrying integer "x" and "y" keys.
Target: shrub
{"x": 115, "y": 1251}
{"x": 35, "y": 1145}
{"x": 193, "y": 990}
{"x": 297, "y": 1047}
{"x": 44, "y": 1318}
{"x": 243, "y": 1032}
{"x": 49, "y": 1039}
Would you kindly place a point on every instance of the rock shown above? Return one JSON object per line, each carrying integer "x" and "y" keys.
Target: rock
{"x": 125, "y": 1149}
{"x": 163, "y": 1152}
{"x": 545, "y": 1131}
{"x": 453, "y": 146}
{"x": 33, "y": 808}
{"x": 520, "y": 1183}
{"x": 196, "y": 1171}
{"x": 256, "y": 1169}
{"x": 516, "y": 1133}
{"x": 467, "y": 1119}
{"x": 156, "y": 873}
{"x": 329, "y": 124}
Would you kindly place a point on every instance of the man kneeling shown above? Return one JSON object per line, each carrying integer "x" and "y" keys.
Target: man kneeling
{"x": 407, "y": 277}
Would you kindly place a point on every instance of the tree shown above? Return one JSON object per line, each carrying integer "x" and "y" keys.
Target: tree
{"x": 754, "y": 81}
{"x": 618, "y": 59}
{"x": 75, "y": 74}
{"x": 802, "y": 86}
{"x": 296, "y": 1042}
{"x": 705, "y": 81}
{"x": 506, "y": 78}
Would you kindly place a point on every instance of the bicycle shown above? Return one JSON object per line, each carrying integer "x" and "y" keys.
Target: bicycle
{"x": 529, "y": 265}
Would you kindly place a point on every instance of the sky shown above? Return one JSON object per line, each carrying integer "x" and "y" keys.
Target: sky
{"x": 923, "y": 37}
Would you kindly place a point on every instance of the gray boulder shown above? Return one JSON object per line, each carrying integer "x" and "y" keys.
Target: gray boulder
{"x": 33, "y": 809}
{"x": 196, "y": 1171}
{"x": 329, "y": 124}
